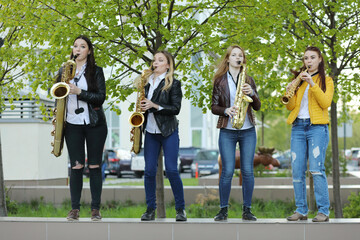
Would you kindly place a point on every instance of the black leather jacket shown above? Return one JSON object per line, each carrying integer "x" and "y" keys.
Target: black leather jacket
{"x": 170, "y": 101}
{"x": 95, "y": 99}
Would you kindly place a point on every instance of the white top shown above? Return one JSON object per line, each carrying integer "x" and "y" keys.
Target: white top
{"x": 232, "y": 88}
{"x": 304, "y": 107}
{"x": 72, "y": 101}
{"x": 151, "y": 125}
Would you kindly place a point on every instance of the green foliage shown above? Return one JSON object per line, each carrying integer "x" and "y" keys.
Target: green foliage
{"x": 128, "y": 209}
{"x": 352, "y": 210}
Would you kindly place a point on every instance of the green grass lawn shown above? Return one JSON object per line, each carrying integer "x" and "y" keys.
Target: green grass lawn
{"x": 207, "y": 208}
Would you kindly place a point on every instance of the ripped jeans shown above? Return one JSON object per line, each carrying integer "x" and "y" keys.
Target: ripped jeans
{"x": 309, "y": 141}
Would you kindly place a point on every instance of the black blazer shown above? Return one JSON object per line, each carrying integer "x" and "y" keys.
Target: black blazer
{"x": 170, "y": 100}
{"x": 94, "y": 99}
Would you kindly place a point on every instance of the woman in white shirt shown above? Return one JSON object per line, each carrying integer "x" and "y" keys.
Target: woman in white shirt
{"x": 161, "y": 105}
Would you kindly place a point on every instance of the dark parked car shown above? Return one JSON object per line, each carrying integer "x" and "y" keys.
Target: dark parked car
{"x": 186, "y": 155}
{"x": 206, "y": 161}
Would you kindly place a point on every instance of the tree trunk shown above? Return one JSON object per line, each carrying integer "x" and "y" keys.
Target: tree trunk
{"x": 311, "y": 194}
{"x": 262, "y": 128}
{"x": 160, "y": 199}
{"x": 335, "y": 162}
{"x": 3, "y": 212}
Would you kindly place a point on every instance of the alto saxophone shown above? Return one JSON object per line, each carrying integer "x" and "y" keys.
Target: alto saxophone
{"x": 60, "y": 91}
{"x": 137, "y": 118}
{"x": 292, "y": 89}
{"x": 241, "y": 101}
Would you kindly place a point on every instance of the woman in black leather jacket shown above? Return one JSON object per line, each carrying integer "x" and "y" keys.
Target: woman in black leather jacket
{"x": 85, "y": 123}
{"x": 163, "y": 101}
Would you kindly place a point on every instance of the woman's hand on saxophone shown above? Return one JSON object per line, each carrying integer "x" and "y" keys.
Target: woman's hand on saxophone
{"x": 247, "y": 90}
{"x": 307, "y": 78}
{"x": 231, "y": 111}
{"x": 74, "y": 89}
{"x": 146, "y": 104}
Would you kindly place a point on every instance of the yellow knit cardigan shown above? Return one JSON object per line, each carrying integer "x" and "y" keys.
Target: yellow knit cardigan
{"x": 319, "y": 101}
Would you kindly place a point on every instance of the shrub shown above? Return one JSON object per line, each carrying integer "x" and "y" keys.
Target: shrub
{"x": 352, "y": 209}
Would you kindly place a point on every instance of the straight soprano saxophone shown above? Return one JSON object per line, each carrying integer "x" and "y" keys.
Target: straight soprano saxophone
{"x": 241, "y": 101}
{"x": 293, "y": 87}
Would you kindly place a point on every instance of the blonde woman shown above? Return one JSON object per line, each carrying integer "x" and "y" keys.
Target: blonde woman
{"x": 161, "y": 105}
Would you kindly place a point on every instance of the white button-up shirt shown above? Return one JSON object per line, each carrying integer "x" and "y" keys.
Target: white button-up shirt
{"x": 151, "y": 125}
{"x": 72, "y": 101}
{"x": 232, "y": 88}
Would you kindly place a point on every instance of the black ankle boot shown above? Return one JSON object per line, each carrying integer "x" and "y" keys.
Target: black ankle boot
{"x": 148, "y": 215}
{"x": 180, "y": 215}
{"x": 247, "y": 214}
{"x": 222, "y": 215}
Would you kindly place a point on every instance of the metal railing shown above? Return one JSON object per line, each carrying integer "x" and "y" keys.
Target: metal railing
{"x": 26, "y": 110}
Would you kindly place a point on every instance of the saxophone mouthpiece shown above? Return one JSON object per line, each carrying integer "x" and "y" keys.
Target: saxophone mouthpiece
{"x": 75, "y": 56}
{"x": 238, "y": 62}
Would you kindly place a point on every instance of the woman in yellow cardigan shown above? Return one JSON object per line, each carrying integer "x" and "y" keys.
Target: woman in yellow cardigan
{"x": 310, "y": 135}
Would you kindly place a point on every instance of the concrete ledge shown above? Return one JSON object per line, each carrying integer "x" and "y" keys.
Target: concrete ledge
{"x": 58, "y": 194}
{"x": 168, "y": 229}
{"x": 214, "y": 180}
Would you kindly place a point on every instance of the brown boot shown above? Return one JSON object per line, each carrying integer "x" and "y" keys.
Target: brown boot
{"x": 73, "y": 215}
{"x": 95, "y": 215}
{"x": 320, "y": 217}
{"x": 297, "y": 216}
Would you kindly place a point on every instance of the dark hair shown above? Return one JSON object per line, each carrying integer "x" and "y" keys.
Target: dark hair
{"x": 321, "y": 68}
{"x": 90, "y": 65}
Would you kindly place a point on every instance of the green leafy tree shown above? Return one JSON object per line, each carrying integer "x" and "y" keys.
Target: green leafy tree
{"x": 125, "y": 34}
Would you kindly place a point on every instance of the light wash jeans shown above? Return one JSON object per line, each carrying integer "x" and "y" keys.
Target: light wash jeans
{"x": 309, "y": 141}
{"x": 227, "y": 146}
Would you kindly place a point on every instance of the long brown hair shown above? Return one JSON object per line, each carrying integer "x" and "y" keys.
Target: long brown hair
{"x": 169, "y": 77}
{"x": 223, "y": 66}
{"x": 90, "y": 65}
{"x": 321, "y": 68}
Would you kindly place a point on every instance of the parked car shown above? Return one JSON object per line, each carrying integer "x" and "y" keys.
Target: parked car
{"x": 186, "y": 155}
{"x": 138, "y": 164}
{"x": 284, "y": 158}
{"x": 355, "y": 155}
{"x": 113, "y": 163}
{"x": 206, "y": 161}
{"x": 124, "y": 165}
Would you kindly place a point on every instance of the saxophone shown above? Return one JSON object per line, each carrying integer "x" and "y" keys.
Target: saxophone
{"x": 293, "y": 87}
{"x": 137, "y": 118}
{"x": 241, "y": 101}
{"x": 60, "y": 91}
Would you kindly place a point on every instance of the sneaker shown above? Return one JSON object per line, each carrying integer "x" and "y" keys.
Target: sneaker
{"x": 320, "y": 217}
{"x": 73, "y": 215}
{"x": 95, "y": 215}
{"x": 149, "y": 215}
{"x": 248, "y": 215}
{"x": 222, "y": 215}
{"x": 180, "y": 215}
{"x": 297, "y": 216}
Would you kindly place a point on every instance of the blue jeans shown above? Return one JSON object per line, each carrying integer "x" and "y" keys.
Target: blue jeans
{"x": 227, "y": 146}
{"x": 152, "y": 146}
{"x": 309, "y": 141}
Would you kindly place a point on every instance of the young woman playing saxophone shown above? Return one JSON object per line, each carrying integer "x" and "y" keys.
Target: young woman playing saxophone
{"x": 223, "y": 98}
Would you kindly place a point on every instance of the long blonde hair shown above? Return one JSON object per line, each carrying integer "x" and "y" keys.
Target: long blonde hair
{"x": 169, "y": 77}
{"x": 223, "y": 66}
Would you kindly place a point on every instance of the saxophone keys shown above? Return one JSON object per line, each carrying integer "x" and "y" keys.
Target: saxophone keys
{"x": 52, "y": 144}
{"x": 52, "y": 133}
{"x": 55, "y": 110}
